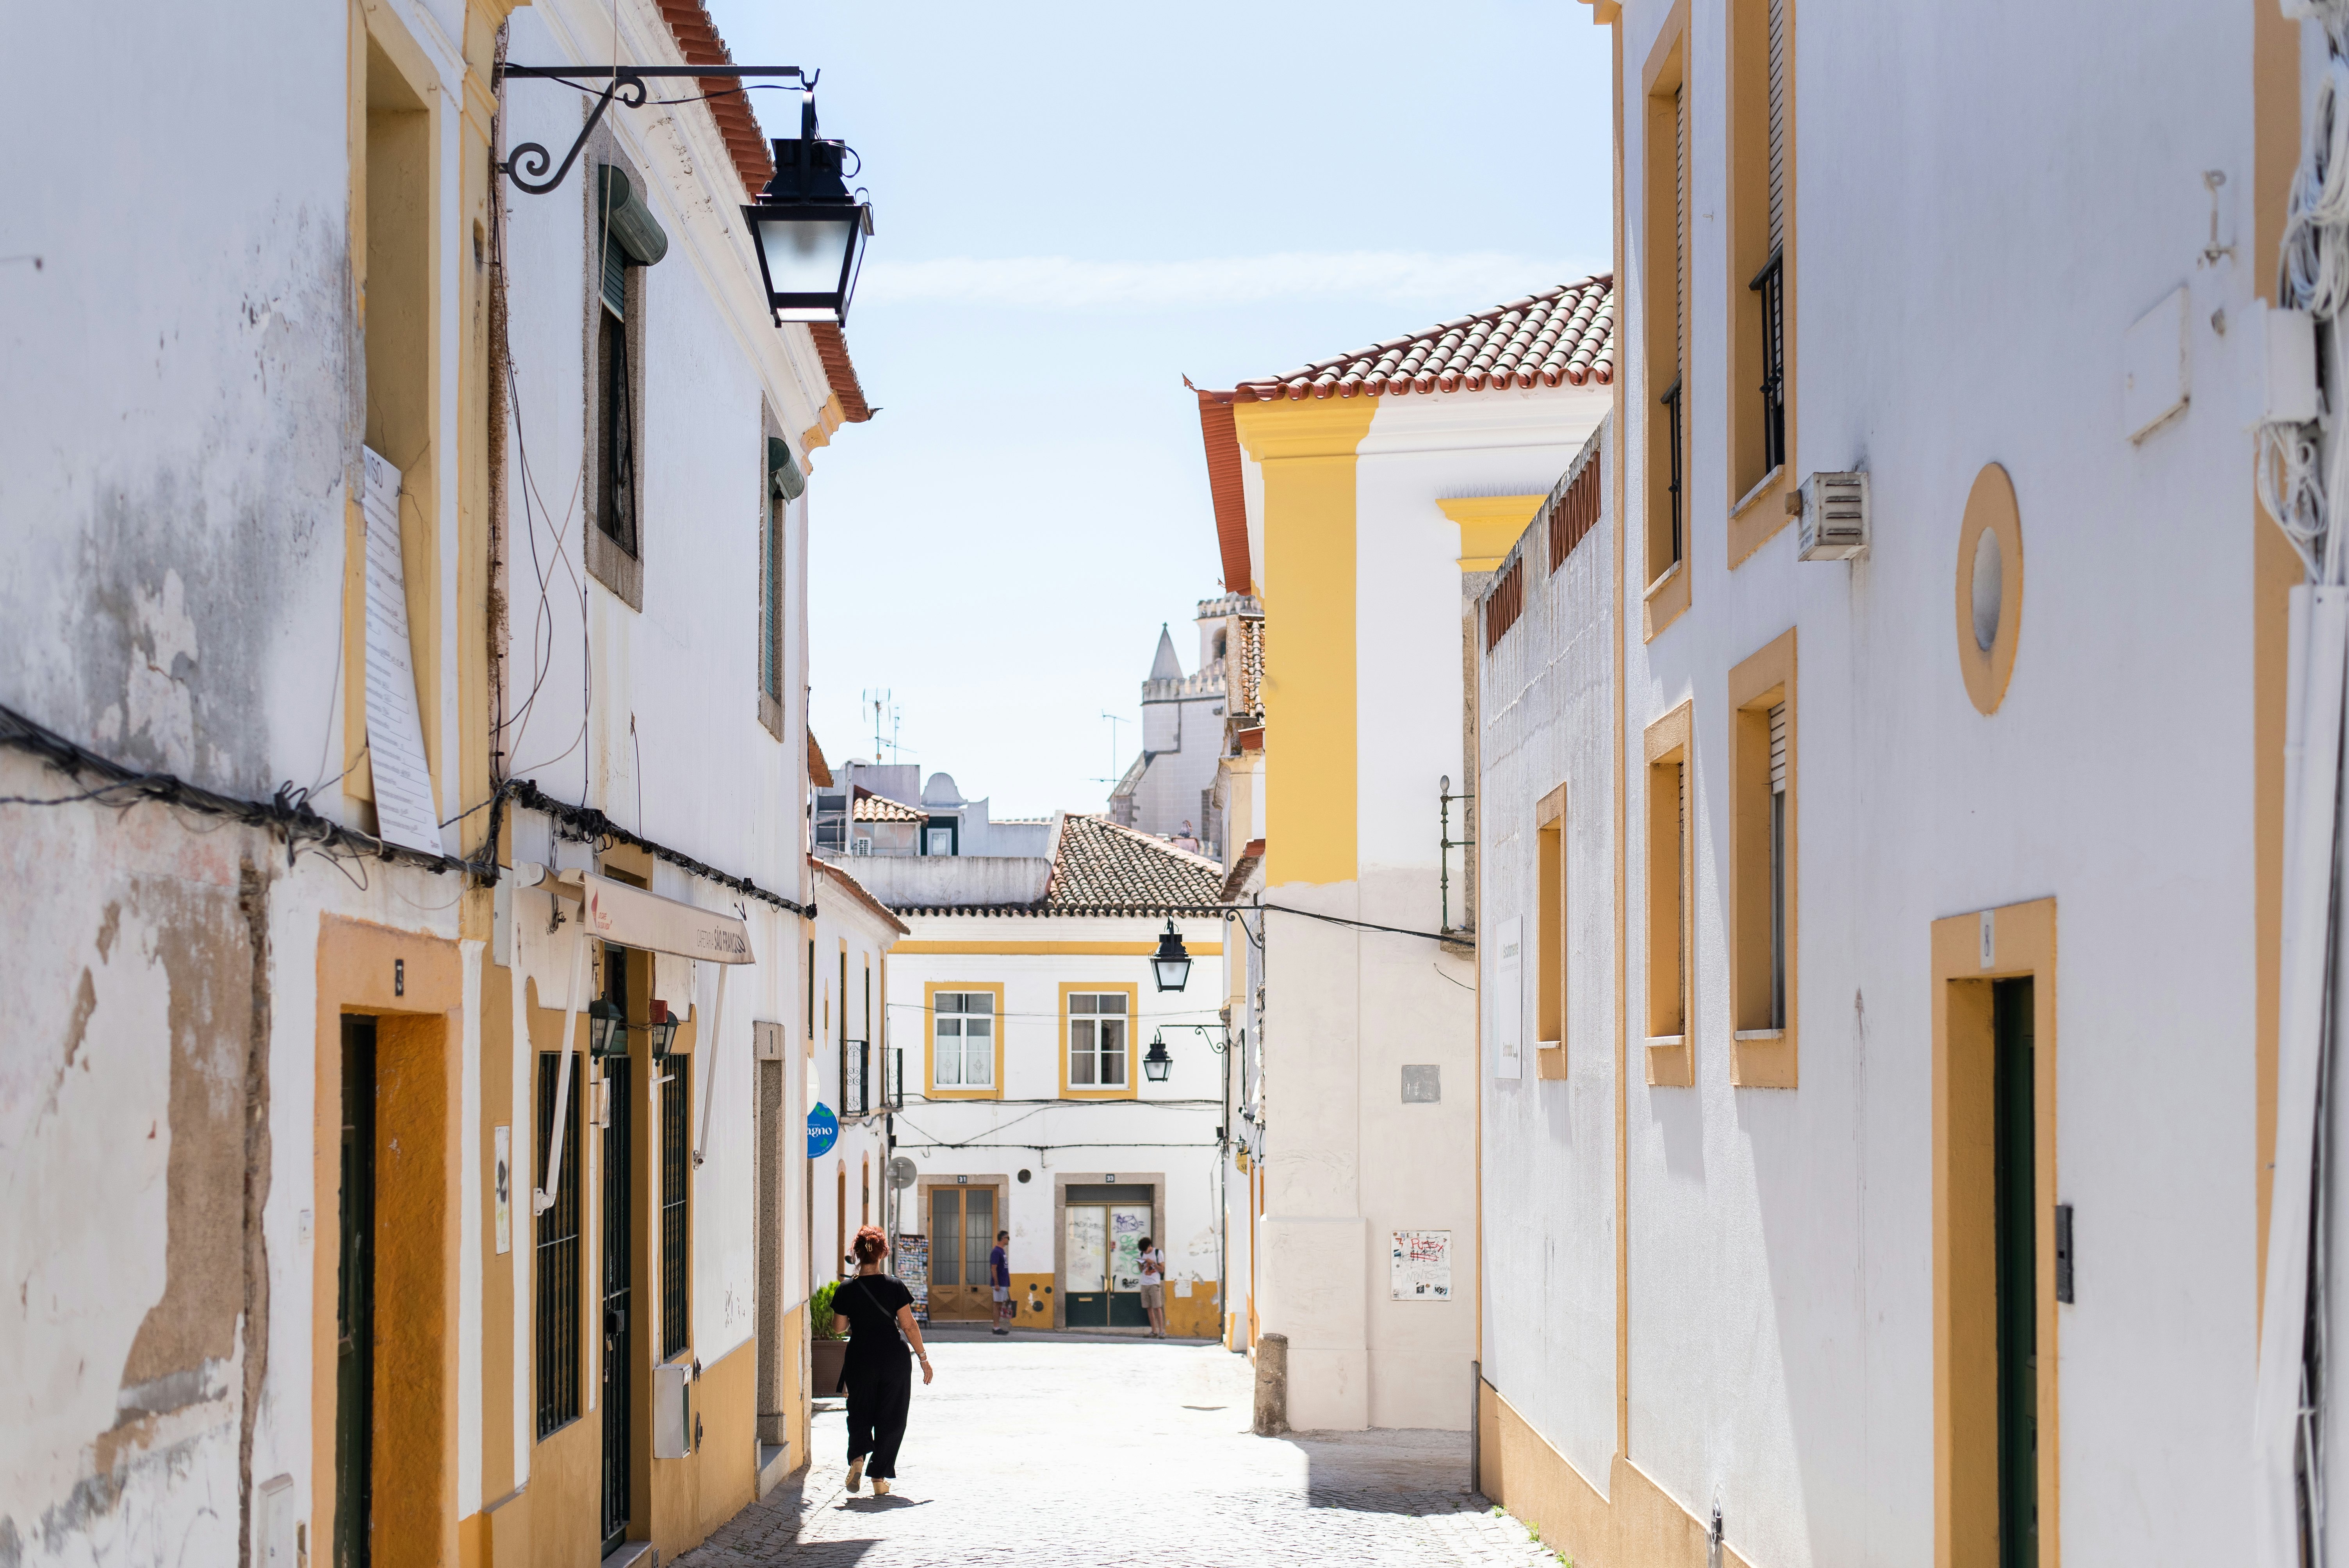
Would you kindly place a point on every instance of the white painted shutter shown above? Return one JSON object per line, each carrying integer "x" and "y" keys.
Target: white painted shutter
{"x": 1778, "y": 748}
{"x": 1679, "y": 230}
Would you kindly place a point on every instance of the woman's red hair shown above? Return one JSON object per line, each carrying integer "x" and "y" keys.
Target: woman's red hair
{"x": 872, "y": 1246}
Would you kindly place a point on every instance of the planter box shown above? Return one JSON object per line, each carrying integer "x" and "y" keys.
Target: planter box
{"x": 828, "y": 1354}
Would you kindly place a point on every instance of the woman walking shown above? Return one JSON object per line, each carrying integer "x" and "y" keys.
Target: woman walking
{"x": 878, "y": 1315}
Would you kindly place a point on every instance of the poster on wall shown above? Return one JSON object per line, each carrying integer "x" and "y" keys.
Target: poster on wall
{"x": 1508, "y": 1000}
{"x": 1420, "y": 1269}
{"x": 913, "y": 1255}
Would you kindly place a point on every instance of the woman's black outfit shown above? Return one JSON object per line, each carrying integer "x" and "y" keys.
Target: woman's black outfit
{"x": 878, "y": 1371}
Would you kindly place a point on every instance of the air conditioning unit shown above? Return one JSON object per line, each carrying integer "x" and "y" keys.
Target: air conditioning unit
{"x": 1832, "y": 509}
{"x": 861, "y": 846}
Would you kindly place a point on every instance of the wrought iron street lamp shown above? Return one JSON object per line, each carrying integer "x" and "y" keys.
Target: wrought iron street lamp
{"x": 1157, "y": 1064}
{"x": 606, "y": 1030}
{"x": 810, "y": 229}
{"x": 1172, "y": 961}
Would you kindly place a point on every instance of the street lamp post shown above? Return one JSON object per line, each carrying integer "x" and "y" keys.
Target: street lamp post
{"x": 810, "y": 230}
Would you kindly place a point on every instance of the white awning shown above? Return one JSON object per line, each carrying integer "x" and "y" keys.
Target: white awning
{"x": 634, "y": 918}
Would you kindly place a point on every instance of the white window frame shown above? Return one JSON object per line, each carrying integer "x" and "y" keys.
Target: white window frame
{"x": 962, "y": 1017}
{"x": 1087, "y": 1015}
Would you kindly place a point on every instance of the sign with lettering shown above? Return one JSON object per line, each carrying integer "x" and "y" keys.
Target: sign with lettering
{"x": 823, "y": 1130}
{"x": 1420, "y": 1268}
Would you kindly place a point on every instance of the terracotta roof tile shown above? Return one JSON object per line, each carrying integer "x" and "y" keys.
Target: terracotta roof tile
{"x": 1562, "y": 336}
{"x": 871, "y": 808}
{"x": 1102, "y": 868}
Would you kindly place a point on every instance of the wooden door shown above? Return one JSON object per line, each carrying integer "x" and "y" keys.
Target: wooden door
{"x": 962, "y": 1232}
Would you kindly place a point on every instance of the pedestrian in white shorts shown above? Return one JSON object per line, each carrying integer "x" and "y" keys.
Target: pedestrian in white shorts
{"x": 1154, "y": 1288}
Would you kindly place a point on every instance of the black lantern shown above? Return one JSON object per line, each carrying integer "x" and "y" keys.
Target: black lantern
{"x": 809, "y": 229}
{"x": 662, "y": 1029}
{"x": 1156, "y": 1064}
{"x": 1172, "y": 960}
{"x": 607, "y": 1032}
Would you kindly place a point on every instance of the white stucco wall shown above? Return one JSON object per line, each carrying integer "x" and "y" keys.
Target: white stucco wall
{"x": 1984, "y": 205}
{"x": 1547, "y": 716}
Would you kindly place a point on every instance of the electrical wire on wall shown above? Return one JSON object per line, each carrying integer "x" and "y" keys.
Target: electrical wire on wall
{"x": 2303, "y": 483}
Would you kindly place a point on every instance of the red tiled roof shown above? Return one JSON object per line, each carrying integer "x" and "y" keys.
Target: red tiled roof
{"x": 871, "y": 808}
{"x": 831, "y": 348}
{"x": 819, "y": 771}
{"x": 697, "y": 41}
{"x": 1101, "y": 869}
{"x": 1563, "y": 335}
{"x": 1223, "y": 442}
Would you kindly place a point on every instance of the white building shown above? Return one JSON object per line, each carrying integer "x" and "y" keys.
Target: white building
{"x": 847, "y": 1046}
{"x": 1362, "y": 500}
{"x": 365, "y": 686}
{"x": 1171, "y": 785}
{"x": 1882, "y": 1128}
{"x": 1022, "y": 1016}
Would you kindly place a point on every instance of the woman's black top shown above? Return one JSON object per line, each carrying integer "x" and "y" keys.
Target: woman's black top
{"x": 870, "y": 1303}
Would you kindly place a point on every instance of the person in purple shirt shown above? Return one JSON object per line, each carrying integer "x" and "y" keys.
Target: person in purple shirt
{"x": 999, "y": 1275}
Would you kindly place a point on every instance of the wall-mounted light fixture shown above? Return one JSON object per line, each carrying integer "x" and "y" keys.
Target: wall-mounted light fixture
{"x": 810, "y": 229}
{"x": 607, "y": 1032}
{"x": 1172, "y": 961}
{"x": 1157, "y": 1064}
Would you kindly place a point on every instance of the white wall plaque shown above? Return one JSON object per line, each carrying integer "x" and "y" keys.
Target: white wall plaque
{"x": 1422, "y": 1265}
{"x": 404, "y": 812}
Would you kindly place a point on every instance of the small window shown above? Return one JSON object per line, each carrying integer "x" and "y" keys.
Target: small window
{"x": 1097, "y": 1039}
{"x": 963, "y": 1055}
{"x": 1762, "y": 856}
{"x": 677, "y": 1155}
{"x": 615, "y": 447}
{"x": 1549, "y": 935}
{"x": 556, "y": 1287}
{"x": 938, "y": 840}
{"x": 1672, "y": 1059}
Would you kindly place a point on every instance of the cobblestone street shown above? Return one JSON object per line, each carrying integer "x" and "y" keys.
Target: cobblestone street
{"x": 1049, "y": 1450}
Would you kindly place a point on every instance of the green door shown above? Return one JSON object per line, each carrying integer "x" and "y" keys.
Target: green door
{"x": 1101, "y": 1254}
{"x": 354, "y": 1304}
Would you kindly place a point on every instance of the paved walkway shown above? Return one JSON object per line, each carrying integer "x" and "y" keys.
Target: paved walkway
{"x": 1039, "y": 1450}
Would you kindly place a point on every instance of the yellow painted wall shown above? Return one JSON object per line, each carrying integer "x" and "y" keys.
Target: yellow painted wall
{"x": 1199, "y": 1316}
{"x": 1040, "y": 1284}
{"x": 694, "y": 1495}
{"x": 1307, "y": 453}
{"x": 1637, "y": 1524}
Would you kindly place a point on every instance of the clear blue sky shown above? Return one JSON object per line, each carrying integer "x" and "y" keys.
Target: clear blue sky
{"x": 1076, "y": 206}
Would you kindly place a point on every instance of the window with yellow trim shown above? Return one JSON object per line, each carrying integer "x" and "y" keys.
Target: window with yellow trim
{"x": 1761, "y": 219}
{"x": 962, "y": 1039}
{"x": 1666, "y": 311}
{"x": 1101, "y": 1039}
{"x": 1549, "y": 935}
{"x": 1672, "y": 1058}
{"x": 1761, "y": 901}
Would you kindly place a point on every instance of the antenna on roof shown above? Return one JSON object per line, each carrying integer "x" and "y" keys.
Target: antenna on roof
{"x": 885, "y": 709}
{"x": 1114, "y": 720}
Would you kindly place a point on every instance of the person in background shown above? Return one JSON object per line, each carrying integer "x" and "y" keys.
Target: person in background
{"x": 999, "y": 1275}
{"x": 1185, "y": 839}
{"x": 877, "y": 1313}
{"x": 1153, "y": 1287}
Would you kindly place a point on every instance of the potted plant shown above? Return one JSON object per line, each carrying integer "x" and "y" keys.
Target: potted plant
{"x": 827, "y": 1347}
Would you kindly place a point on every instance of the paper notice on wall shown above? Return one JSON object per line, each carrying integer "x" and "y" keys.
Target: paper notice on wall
{"x": 1508, "y": 1000}
{"x": 404, "y": 812}
{"x": 1422, "y": 1265}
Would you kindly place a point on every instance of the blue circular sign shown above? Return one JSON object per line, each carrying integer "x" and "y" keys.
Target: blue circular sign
{"x": 823, "y": 1130}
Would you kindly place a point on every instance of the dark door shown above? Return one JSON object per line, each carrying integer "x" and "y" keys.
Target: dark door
{"x": 1102, "y": 1229}
{"x": 619, "y": 1272}
{"x": 2016, "y": 1125}
{"x": 354, "y": 1304}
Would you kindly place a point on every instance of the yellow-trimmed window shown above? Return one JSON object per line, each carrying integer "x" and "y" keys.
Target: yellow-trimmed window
{"x": 1761, "y": 255}
{"x": 1664, "y": 308}
{"x": 1762, "y": 891}
{"x": 964, "y": 1054}
{"x": 1672, "y": 1054}
{"x": 1549, "y": 935}
{"x": 1098, "y": 1057}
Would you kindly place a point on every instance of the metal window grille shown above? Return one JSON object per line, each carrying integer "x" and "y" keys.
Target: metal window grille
{"x": 1672, "y": 402}
{"x": 676, "y": 1184}
{"x": 856, "y": 1059}
{"x": 556, "y": 1269}
{"x": 770, "y": 583}
{"x": 1505, "y": 603}
{"x": 1770, "y": 282}
{"x": 1574, "y": 513}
